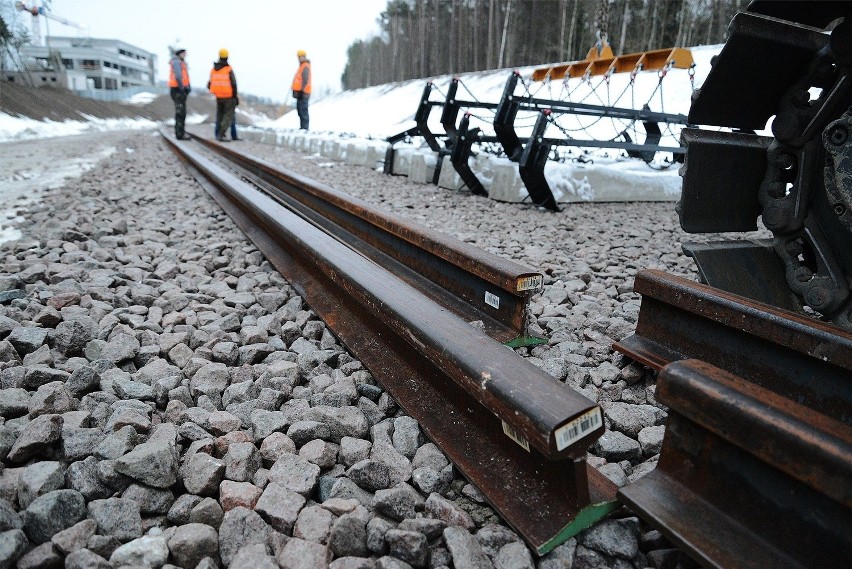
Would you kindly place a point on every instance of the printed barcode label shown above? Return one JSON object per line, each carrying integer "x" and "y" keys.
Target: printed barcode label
{"x": 492, "y": 299}
{"x": 530, "y": 283}
{"x": 568, "y": 434}
{"x": 516, "y": 436}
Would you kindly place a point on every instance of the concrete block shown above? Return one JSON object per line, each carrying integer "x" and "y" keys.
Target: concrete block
{"x": 314, "y": 144}
{"x": 449, "y": 178}
{"x": 506, "y": 184}
{"x": 299, "y": 142}
{"x": 423, "y": 163}
{"x": 402, "y": 161}
{"x": 328, "y": 148}
{"x": 376, "y": 154}
{"x": 356, "y": 153}
{"x": 340, "y": 148}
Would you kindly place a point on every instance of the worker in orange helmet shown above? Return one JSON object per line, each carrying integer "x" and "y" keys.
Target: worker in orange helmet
{"x": 302, "y": 88}
{"x": 223, "y": 84}
{"x": 179, "y": 89}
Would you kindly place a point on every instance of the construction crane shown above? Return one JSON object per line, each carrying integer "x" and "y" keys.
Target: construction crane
{"x": 37, "y": 11}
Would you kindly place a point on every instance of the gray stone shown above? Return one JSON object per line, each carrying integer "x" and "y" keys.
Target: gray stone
{"x": 103, "y": 545}
{"x": 313, "y": 524}
{"x": 53, "y": 512}
{"x": 264, "y": 423}
{"x": 34, "y": 377}
{"x": 14, "y": 402}
{"x": 150, "y": 500}
{"x": 371, "y": 475}
{"x": 376, "y": 530}
{"x": 41, "y": 557}
{"x": 408, "y": 546}
{"x": 241, "y": 461}
{"x": 432, "y": 529}
{"x": 37, "y": 437}
{"x": 84, "y": 477}
{"x": 319, "y": 452}
{"x": 51, "y": 398}
{"x": 39, "y": 478}
{"x": 70, "y": 337}
{"x": 295, "y": 473}
{"x": 146, "y": 551}
{"x": 348, "y": 536}
{"x": 117, "y": 444}
{"x": 400, "y": 465}
{"x": 78, "y": 443}
{"x": 439, "y": 507}
{"x": 129, "y": 389}
{"x": 400, "y": 502}
{"x": 13, "y": 544}
{"x": 465, "y": 549}
{"x": 222, "y": 422}
{"x": 275, "y": 446}
{"x": 254, "y": 556}
{"x": 233, "y": 494}
{"x": 514, "y": 556}
{"x": 120, "y": 348}
{"x": 190, "y": 543}
{"x": 302, "y": 432}
{"x": 82, "y": 381}
{"x": 354, "y": 450}
{"x": 343, "y": 421}
{"x": 239, "y": 528}
{"x": 9, "y": 518}
{"x": 27, "y": 339}
{"x": 202, "y": 474}
{"x": 207, "y": 511}
{"x": 388, "y": 562}
{"x": 428, "y": 480}
{"x": 630, "y": 419}
{"x": 180, "y": 511}
{"x": 117, "y": 517}
{"x": 301, "y": 554}
{"x": 153, "y": 463}
{"x": 618, "y": 538}
{"x": 615, "y": 446}
{"x": 651, "y": 439}
{"x": 74, "y": 538}
{"x": 280, "y": 507}
{"x": 85, "y": 559}
{"x": 346, "y": 489}
{"x": 406, "y": 436}
{"x": 562, "y": 557}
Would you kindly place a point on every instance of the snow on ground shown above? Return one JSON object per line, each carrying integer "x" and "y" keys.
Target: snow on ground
{"x": 142, "y": 98}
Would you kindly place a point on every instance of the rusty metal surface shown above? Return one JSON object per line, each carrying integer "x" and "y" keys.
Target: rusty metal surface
{"x": 805, "y": 360}
{"x": 747, "y": 478}
{"x": 459, "y": 384}
{"x": 479, "y": 279}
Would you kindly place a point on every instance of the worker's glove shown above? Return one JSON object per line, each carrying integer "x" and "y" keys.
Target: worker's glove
{"x": 187, "y": 90}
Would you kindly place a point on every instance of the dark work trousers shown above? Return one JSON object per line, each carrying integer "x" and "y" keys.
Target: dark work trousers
{"x": 179, "y": 97}
{"x": 233, "y": 127}
{"x": 225, "y": 112}
{"x": 302, "y": 109}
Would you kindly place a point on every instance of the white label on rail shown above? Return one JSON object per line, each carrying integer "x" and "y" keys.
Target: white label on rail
{"x": 568, "y": 434}
{"x": 515, "y": 436}
{"x": 492, "y": 299}
{"x": 534, "y": 282}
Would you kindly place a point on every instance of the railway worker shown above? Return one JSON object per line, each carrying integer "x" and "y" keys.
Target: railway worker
{"x": 223, "y": 85}
{"x": 179, "y": 89}
{"x": 302, "y": 88}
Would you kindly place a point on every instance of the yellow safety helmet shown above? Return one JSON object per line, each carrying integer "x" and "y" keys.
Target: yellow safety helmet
{"x": 223, "y": 53}
{"x": 301, "y": 53}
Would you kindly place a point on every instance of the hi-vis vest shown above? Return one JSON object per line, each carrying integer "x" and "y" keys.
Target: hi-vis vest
{"x": 297, "y": 80}
{"x": 184, "y": 75}
{"x": 220, "y": 83}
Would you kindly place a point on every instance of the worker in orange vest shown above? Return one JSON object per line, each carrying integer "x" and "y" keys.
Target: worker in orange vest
{"x": 223, "y": 85}
{"x": 179, "y": 89}
{"x": 302, "y": 88}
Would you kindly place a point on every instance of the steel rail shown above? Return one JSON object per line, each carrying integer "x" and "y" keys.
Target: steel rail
{"x": 755, "y": 466}
{"x": 489, "y": 288}
{"x": 511, "y": 429}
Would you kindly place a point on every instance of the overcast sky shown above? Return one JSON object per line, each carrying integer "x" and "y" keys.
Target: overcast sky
{"x": 262, "y": 36}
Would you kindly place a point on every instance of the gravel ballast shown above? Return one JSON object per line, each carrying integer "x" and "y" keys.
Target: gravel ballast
{"x": 169, "y": 400}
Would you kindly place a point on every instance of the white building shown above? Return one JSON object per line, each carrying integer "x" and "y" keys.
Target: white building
{"x": 88, "y": 64}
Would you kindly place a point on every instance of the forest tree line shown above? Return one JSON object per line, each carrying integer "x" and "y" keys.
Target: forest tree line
{"x": 424, "y": 38}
